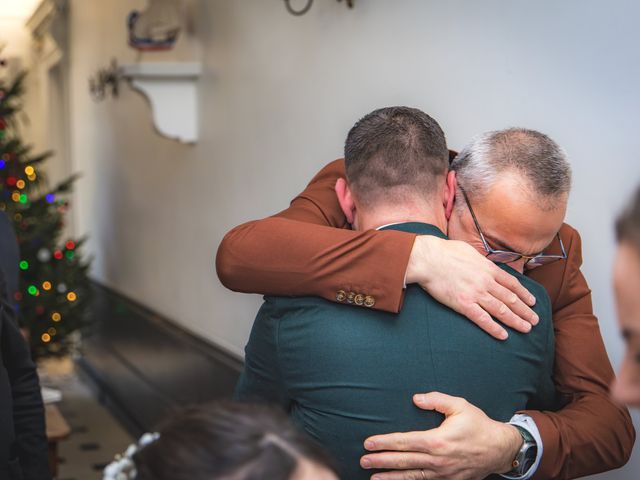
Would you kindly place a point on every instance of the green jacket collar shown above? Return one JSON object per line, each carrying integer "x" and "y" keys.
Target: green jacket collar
{"x": 416, "y": 227}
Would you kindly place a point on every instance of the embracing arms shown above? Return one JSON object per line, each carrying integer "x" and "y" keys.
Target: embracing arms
{"x": 301, "y": 252}
{"x": 308, "y": 249}
{"x": 590, "y": 433}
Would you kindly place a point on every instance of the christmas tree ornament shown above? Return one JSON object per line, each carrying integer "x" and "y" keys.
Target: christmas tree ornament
{"x": 44, "y": 255}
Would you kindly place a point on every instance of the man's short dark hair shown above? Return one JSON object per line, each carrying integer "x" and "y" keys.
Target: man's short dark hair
{"x": 628, "y": 223}
{"x": 395, "y": 148}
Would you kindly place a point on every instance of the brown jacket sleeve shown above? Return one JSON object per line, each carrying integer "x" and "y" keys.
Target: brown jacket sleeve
{"x": 279, "y": 255}
{"x": 591, "y": 433}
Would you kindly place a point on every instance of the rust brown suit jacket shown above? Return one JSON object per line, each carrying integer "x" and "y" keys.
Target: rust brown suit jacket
{"x": 300, "y": 252}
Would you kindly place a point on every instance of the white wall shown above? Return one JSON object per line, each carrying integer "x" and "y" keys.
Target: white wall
{"x": 278, "y": 96}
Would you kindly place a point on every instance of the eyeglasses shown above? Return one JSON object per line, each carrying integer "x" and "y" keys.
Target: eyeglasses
{"x": 506, "y": 256}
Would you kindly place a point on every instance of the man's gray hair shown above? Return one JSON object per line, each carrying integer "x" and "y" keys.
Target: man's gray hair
{"x": 529, "y": 153}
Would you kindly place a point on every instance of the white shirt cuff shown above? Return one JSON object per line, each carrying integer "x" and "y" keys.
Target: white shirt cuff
{"x": 526, "y": 422}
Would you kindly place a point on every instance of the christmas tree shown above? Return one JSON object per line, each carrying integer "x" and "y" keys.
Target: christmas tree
{"x": 53, "y": 293}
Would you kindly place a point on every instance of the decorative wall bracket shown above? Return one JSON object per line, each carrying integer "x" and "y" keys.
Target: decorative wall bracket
{"x": 171, "y": 89}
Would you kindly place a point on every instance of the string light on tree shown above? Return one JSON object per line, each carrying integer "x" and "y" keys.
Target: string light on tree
{"x": 53, "y": 294}
{"x": 44, "y": 255}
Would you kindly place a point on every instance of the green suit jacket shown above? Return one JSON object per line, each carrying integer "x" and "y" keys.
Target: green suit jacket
{"x": 345, "y": 373}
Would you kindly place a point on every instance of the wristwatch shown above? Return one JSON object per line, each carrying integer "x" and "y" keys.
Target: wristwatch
{"x": 526, "y": 456}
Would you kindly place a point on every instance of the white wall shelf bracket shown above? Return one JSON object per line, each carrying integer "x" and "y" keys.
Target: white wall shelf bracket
{"x": 171, "y": 89}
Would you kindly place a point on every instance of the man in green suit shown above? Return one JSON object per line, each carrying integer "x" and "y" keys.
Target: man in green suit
{"x": 345, "y": 374}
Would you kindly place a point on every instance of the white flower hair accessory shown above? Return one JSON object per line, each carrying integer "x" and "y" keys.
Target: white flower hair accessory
{"x": 123, "y": 467}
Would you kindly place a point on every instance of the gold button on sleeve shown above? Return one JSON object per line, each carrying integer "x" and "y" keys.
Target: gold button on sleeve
{"x": 350, "y": 297}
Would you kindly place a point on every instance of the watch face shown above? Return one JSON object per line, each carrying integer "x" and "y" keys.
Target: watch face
{"x": 527, "y": 456}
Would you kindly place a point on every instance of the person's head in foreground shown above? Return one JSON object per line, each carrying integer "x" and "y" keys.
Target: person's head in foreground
{"x": 626, "y": 284}
{"x": 232, "y": 442}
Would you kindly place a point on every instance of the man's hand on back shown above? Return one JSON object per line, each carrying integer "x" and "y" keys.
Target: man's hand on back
{"x": 456, "y": 275}
{"x": 467, "y": 446}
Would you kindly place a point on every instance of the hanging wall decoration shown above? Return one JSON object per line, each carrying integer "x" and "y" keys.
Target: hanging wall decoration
{"x": 105, "y": 81}
{"x": 305, "y": 7}
{"x": 155, "y": 28}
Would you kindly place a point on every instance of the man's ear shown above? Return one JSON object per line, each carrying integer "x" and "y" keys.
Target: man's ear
{"x": 345, "y": 199}
{"x": 449, "y": 193}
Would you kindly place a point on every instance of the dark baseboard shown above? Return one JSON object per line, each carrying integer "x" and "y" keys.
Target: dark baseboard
{"x": 144, "y": 367}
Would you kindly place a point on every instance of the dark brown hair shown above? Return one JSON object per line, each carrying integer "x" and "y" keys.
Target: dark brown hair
{"x": 247, "y": 442}
{"x": 628, "y": 223}
{"x": 395, "y": 147}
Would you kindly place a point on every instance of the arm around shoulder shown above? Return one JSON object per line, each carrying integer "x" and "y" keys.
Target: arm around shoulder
{"x": 307, "y": 250}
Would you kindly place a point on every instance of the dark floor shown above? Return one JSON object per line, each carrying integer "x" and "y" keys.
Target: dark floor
{"x": 96, "y": 436}
{"x": 145, "y": 367}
